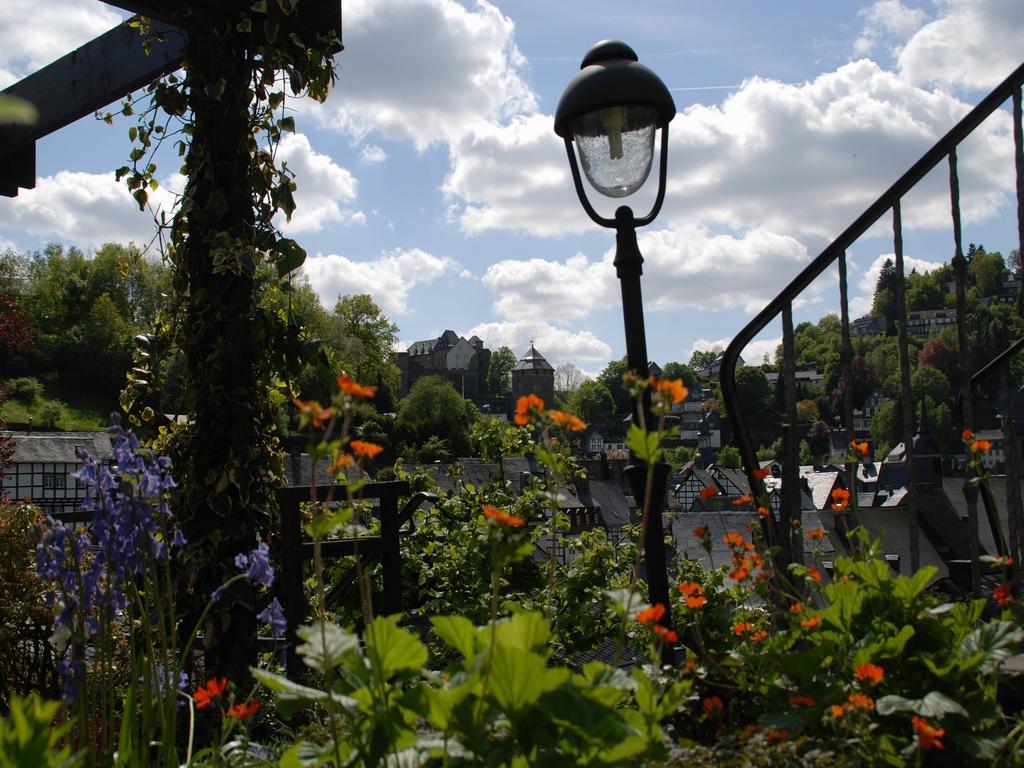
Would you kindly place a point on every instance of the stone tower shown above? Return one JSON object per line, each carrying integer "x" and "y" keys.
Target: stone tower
{"x": 533, "y": 375}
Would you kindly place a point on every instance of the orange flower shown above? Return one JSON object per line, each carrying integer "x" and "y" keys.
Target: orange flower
{"x": 798, "y": 700}
{"x": 693, "y": 594}
{"x": 1002, "y": 594}
{"x": 205, "y": 695}
{"x": 796, "y": 607}
{"x": 760, "y": 635}
{"x": 526, "y": 407}
{"x": 245, "y": 709}
{"x": 567, "y": 421}
{"x": 651, "y": 614}
{"x": 859, "y": 448}
{"x": 746, "y": 498}
{"x": 741, "y": 570}
{"x": 734, "y": 539}
{"x": 775, "y": 734}
{"x": 840, "y": 499}
{"x": 927, "y": 736}
{"x": 364, "y": 449}
{"x": 340, "y": 463}
{"x": 763, "y": 511}
{"x": 671, "y": 388}
{"x": 312, "y": 410}
{"x": 816, "y": 535}
{"x": 712, "y": 705}
{"x": 666, "y": 634}
{"x": 502, "y": 517}
{"x": 761, "y": 474}
{"x": 741, "y": 628}
{"x": 810, "y": 622}
{"x": 837, "y": 710}
{"x": 349, "y": 386}
{"x": 708, "y": 493}
{"x": 981, "y": 446}
{"x": 814, "y": 573}
{"x": 860, "y": 701}
{"x": 967, "y": 436}
{"x": 871, "y": 673}
{"x": 700, "y": 531}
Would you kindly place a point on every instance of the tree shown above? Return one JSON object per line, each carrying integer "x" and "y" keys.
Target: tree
{"x": 679, "y": 371}
{"x": 818, "y": 439}
{"x": 807, "y": 410}
{"x": 1013, "y": 262}
{"x": 611, "y": 377}
{"x": 592, "y": 400}
{"x": 499, "y": 374}
{"x": 568, "y": 379}
{"x": 702, "y": 359}
{"x": 884, "y": 303}
{"x": 364, "y": 339}
{"x": 728, "y": 456}
{"x": 988, "y": 271}
{"x": 930, "y": 382}
{"x": 864, "y": 382}
{"x": 433, "y": 409}
{"x": 940, "y": 354}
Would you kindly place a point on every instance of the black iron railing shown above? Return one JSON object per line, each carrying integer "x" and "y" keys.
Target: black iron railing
{"x": 780, "y": 530}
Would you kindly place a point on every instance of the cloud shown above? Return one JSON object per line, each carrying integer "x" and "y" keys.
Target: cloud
{"x": 869, "y": 279}
{"x": 86, "y": 209}
{"x": 752, "y": 354}
{"x": 558, "y": 345}
{"x": 800, "y": 159}
{"x": 322, "y": 187}
{"x": 388, "y": 278}
{"x": 976, "y": 43}
{"x": 423, "y": 70}
{"x": 886, "y": 19}
{"x": 371, "y": 153}
{"x": 551, "y": 289}
{"x": 33, "y": 34}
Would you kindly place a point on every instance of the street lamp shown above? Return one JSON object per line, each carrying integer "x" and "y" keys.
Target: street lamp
{"x": 611, "y": 109}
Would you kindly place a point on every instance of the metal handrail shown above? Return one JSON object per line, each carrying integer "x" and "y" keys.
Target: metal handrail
{"x": 834, "y": 251}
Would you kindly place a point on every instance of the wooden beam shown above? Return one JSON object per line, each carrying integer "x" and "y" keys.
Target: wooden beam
{"x": 103, "y": 70}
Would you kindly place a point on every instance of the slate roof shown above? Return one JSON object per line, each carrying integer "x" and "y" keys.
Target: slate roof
{"x": 820, "y": 485}
{"x": 59, "y": 447}
{"x": 533, "y": 361}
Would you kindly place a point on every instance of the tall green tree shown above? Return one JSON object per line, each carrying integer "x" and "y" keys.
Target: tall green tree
{"x": 592, "y": 400}
{"x": 612, "y": 378}
{"x": 364, "y": 340}
{"x": 434, "y": 411}
{"x": 673, "y": 370}
{"x": 499, "y": 373}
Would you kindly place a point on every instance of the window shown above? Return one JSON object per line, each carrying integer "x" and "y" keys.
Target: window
{"x": 54, "y": 482}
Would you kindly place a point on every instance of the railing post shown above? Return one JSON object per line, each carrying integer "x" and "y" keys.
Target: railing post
{"x": 970, "y": 490}
{"x": 292, "y": 599}
{"x": 790, "y": 537}
{"x": 848, "y": 519}
{"x": 905, "y": 394}
{"x": 391, "y": 559}
{"x": 1013, "y": 499}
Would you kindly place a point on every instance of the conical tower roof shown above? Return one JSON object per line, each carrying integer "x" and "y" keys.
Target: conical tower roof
{"x": 533, "y": 361}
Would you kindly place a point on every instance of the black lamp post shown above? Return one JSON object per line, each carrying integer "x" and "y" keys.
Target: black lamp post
{"x": 611, "y": 109}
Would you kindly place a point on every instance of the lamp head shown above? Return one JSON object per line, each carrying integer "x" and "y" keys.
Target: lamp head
{"x": 611, "y": 109}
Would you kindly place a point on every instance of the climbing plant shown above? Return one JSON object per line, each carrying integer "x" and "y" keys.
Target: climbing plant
{"x": 225, "y": 113}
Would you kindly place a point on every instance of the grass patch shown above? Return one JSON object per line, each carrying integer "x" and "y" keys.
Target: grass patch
{"x": 78, "y": 413}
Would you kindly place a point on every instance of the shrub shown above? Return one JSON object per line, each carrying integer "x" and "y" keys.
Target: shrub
{"x": 51, "y": 414}
{"x": 25, "y": 389}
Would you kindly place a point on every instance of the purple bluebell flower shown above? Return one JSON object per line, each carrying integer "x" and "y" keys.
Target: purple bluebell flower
{"x": 258, "y": 562}
{"x": 273, "y": 616}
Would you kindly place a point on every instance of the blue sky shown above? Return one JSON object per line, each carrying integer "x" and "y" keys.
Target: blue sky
{"x": 432, "y": 178}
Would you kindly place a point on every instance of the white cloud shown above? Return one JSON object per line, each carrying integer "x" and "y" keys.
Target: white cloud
{"x": 424, "y": 69}
{"x": 371, "y": 153}
{"x": 801, "y": 159}
{"x": 551, "y": 289}
{"x": 885, "y": 19}
{"x": 975, "y": 43}
{"x": 558, "y": 345}
{"x": 752, "y": 354}
{"x": 33, "y": 33}
{"x": 869, "y": 279}
{"x": 322, "y": 187}
{"x": 82, "y": 208}
{"x": 388, "y": 278}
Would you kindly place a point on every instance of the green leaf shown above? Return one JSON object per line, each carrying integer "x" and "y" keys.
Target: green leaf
{"x": 995, "y": 641}
{"x": 524, "y": 632}
{"x": 646, "y": 445}
{"x": 287, "y": 124}
{"x": 290, "y": 696}
{"x": 934, "y": 704}
{"x": 326, "y": 646}
{"x": 518, "y": 679}
{"x": 291, "y": 256}
{"x": 17, "y": 110}
{"x": 457, "y": 632}
{"x": 392, "y": 649}
{"x": 908, "y": 588}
